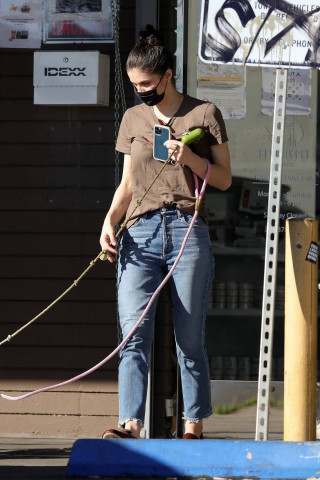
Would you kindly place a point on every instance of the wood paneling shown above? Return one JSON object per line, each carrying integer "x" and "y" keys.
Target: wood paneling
{"x": 55, "y": 357}
{"x": 65, "y": 311}
{"x": 60, "y": 403}
{"x": 73, "y": 426}
{"x": 50, "y": 222}
{"x": 99, "y": 381}
{"x": 70, "y": 335}
{"x": 55, "y": 154}
{"x": 57, "y": 179}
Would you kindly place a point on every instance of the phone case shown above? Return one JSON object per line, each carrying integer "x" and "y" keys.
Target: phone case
{"x": 161, "y": 134}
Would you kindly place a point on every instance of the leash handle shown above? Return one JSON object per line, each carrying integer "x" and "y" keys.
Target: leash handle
{"x": 193, "y": 136}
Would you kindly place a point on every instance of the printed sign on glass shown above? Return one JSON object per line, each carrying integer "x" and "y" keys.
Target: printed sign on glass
{"x": 266, "y": 32}
{"x": 78, "y": 21}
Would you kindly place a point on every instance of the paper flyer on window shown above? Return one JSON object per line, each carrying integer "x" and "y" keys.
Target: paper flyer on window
{"x": 20, "y": 23}
{"x": 223, "y": 85}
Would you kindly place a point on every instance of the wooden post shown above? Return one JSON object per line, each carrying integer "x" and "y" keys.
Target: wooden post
{"x": 300, "y": 349}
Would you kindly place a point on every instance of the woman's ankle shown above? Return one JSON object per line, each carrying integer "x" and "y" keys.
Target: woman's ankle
{"x": 195, "y": 428}
{"x": 134, "y": 428}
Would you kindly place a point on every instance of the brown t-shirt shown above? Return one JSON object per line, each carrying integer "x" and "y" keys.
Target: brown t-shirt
{"x": 175, "y": 185}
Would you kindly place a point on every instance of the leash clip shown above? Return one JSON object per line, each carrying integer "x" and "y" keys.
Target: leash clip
{"x": 197, "y": 204}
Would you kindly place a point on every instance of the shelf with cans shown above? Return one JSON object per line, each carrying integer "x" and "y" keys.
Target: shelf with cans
{"x": 234, "y": 318}
{"x": 237, "y": 227}
{"x": 242, "y": 368}
{"x": 234, "y": 327}
{"x": 240, "y": 298}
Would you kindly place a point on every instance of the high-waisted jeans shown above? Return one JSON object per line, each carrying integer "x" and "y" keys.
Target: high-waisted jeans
{"x": 147, "y": 251}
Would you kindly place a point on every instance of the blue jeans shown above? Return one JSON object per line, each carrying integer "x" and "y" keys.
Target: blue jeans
{"x": 147, "y": 252}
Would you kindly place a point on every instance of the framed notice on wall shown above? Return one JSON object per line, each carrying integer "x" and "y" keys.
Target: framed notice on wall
{"x": 20, "y": 24}
{"x": 78, "y": 21}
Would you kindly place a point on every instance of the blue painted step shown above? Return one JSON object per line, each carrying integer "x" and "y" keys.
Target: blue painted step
{"x": 194, "y": 458}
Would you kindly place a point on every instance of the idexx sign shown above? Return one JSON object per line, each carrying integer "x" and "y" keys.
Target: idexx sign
{"x": 64, "y": 72}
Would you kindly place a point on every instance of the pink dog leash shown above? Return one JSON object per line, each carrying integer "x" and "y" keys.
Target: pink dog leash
{"x": 132, "y": 331}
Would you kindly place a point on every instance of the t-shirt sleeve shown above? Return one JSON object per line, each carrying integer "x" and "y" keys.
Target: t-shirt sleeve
{"x": 213, "y": 120}
{"x": 124, "y": 139}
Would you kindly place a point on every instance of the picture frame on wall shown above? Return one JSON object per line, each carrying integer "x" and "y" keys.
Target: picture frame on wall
{"x": 79, "y": 21}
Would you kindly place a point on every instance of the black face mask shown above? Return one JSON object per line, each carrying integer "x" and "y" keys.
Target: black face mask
{"x": 151, "y": 97}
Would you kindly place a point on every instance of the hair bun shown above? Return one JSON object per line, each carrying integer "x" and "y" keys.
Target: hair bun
{"x": 151, "y": 36}
{"x": 150, "y": 54}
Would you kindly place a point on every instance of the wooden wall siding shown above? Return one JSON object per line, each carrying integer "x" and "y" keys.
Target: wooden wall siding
{"x": 56, "y": 183}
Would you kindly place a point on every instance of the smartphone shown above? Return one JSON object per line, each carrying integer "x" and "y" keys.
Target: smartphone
{"x": 161, "y": 134}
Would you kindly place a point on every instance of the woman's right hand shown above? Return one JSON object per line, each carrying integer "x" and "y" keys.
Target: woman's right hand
{"x": 117, "y": 211}
{"x": 108, "y": 241}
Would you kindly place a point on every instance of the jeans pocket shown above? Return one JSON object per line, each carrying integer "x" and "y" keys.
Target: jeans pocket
{"x": 139, "y": 221}
{"x": 186, "y": 218}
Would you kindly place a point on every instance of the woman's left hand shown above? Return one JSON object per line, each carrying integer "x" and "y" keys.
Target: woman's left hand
{"x": 220, "y": 176}
{"x": 183, "y": 154}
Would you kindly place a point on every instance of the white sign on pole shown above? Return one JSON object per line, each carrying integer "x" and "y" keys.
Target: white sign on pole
{"x": 298, "y": 91}
{"x": 266, "y": 33}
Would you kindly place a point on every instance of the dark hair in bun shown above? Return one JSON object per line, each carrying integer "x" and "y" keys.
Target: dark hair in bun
{"x": 150, "y": 54}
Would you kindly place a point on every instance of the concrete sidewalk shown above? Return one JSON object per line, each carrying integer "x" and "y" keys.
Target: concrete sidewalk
{"x": 34, "y": 458}
{"x": 46, "y": 458}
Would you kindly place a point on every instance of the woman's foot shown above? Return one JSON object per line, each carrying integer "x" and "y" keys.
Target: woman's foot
{"x": 132, "y": 430}
{"x": 191, "y": 436}
{"x": 117, "y": 433}
{"x": 193, "y": 430}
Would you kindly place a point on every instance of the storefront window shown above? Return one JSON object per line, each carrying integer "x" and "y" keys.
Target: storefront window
{"x": 238, "y": 217}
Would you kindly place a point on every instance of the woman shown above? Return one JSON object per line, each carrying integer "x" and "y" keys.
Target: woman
{"x": 154, "y": 234}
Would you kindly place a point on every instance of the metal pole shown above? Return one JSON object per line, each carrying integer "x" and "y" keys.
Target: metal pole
{"x": 300, "y": 347}
{"x": 180, "y": 52}
{"x": 148, "y": 423}
{"x": 271, "y": 252}
{"x": 147, "y": 12}
{"x": 179, "y": 405}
